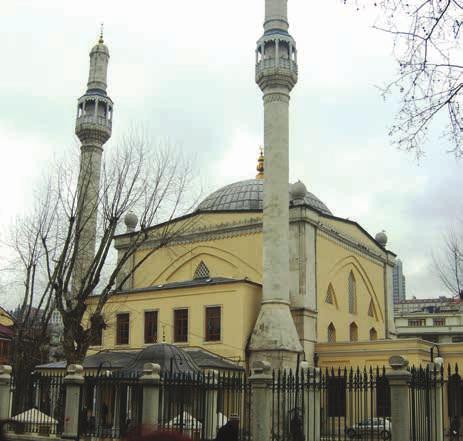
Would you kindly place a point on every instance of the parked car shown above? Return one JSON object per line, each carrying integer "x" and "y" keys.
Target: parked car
{"x": 380, "y": 427}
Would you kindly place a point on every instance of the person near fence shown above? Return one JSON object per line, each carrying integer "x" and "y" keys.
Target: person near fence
{"x": 230, "y": 431}
{"x": 455, "y": 428}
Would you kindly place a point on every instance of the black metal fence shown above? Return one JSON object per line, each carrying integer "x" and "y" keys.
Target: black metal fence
{"x": 110, "y": 405}
{"x": 199, "y": 405}
{"x": 330, "y": 405}
{"x": 37, "y": 403}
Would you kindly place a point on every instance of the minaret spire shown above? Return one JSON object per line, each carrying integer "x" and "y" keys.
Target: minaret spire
{"x": 93, "y": 128}
{"x": 275, "y": 338}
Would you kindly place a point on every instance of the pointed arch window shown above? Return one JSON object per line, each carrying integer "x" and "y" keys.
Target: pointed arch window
{"x": 202, "y": 271}
{"x": 352, "y": 289}
{"x": 330, "y": 295}
{"x": 373, "y": 334}
{"x": 353, "y": 332}
{"x": 371, "y": 309}
{"x": 331, "y": 333}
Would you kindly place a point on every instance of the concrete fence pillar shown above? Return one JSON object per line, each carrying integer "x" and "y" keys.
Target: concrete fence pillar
{"x": 437, "y": 400}
{"x": 399, "y": 380}
{"x": 5, "y": 391}
{"x": 151, "y": 383}
{"x": 310, "y": 378}
{"x": 261, "y": 401}
{"x": 73, "y": 381}
{"x": 211, "y": 415}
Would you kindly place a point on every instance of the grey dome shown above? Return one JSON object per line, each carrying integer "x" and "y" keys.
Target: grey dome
{"x": 248, "y": 196}
{"x": 169, "y": 357}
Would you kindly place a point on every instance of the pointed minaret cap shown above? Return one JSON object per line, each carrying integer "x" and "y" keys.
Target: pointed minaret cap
{"x": 260, "y": 165}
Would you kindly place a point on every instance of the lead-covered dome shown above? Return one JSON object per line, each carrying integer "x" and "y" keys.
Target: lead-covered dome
{"x": 248, "y": 196}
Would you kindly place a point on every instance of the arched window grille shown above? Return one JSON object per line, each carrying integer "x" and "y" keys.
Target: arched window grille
{"x": 330, "y": 295}
{"x": 202, "y": 271}
{"x": 353, "y": 332}
{"x": 331, "y": 333}
{"x": 373, "y": 334}
{"x": 352, "y": 288}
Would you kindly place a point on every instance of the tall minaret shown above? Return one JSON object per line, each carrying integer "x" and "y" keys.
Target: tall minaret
{"x": 93, "y": 127}
{"x": 275, "y": 338}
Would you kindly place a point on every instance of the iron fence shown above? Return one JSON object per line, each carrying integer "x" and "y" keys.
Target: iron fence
{"x": 199, "y": 405}
{"x": 330, "y": 405}
{"x": 37, "y": 403}
{"x": 110, "y": 405}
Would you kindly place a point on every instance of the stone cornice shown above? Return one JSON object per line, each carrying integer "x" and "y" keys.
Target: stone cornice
{"x": 209, "y": 233}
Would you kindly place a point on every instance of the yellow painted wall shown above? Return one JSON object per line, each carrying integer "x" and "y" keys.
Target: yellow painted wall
{"x": 236, "y": 257}
{"x": 5, "y": 318}
{"x": 334, "y": 264}
{"x": 350, "y": 354}
{"x": 239, "y": 303}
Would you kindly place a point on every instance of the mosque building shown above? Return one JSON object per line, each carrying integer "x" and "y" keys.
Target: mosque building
{"x": 265, "y": 270}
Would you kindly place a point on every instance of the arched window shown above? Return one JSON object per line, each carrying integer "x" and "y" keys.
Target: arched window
{"x": 330, "y": 296}
{"x": 202, "y": 271}
{"x": 353, "y": 332}
{"x": 371, "y": 309}
{"x": 331, "y": 333}
{"x": 352, "y": 294}
{"x": 373, "y": 334}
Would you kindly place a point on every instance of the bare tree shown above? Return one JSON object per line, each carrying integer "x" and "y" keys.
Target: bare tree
{"x": 429, "y": 81}
{"x": 59, "y": 248}
{"x": 449, "y": 264}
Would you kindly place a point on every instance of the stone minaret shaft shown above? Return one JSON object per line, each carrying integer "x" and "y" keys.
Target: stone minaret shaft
{"x": 93, "y": 127}
{"x": 275, "y": 337}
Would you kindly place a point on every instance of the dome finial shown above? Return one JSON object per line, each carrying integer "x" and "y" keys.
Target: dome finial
{"x": 260, "y": 164}
{"x": 101, "y": 40}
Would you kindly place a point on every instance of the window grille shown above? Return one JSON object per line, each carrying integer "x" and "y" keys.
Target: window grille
{"x": 353, "y": 332}
{"x": 151, "y": 327}
{"x": 330, "y": 295}
{"x": 417, "y": 323}
{"x": 181, "y": 325}
{"x": 202, "y": 271}
{"x": 352, "y": 294}
{"x": 213, "y": 316}
{"x": 373, "y": 334}
{"x": 439, "y": 322}
{"x": 331, "y": 333}
{"x": 371, "y": 310}
{"x": 123, "y": 329}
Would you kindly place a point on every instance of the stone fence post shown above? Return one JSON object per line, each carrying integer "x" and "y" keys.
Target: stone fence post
{"x": 5, "y": 391}
{"x": 73, "y": 381}
{"x": 399, "y": 380}
{"x": 311, "y": 390}
{"x": 151, "y": 383}
{"x": 261, "y": 401}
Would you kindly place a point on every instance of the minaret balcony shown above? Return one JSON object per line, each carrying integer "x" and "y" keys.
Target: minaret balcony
{"x": 272, "y": 72}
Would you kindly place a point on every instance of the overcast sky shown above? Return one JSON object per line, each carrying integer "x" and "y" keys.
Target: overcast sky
{"x": 185, "y": 70}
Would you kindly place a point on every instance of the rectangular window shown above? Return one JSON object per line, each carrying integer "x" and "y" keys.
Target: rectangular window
{"x": 123, "y": 329}
{"x": 97, "y": 339}
{"x": 151, "y": 327}
{"x": 417, "y": 323}
{"x": 213, "y": 318}
{"x": 181, "y": 325}
{"x": 438, "y": 322}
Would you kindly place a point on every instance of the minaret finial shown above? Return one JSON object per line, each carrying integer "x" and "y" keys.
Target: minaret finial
{"x": 260, "y": 164}
{"x": 101, "y": 40}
